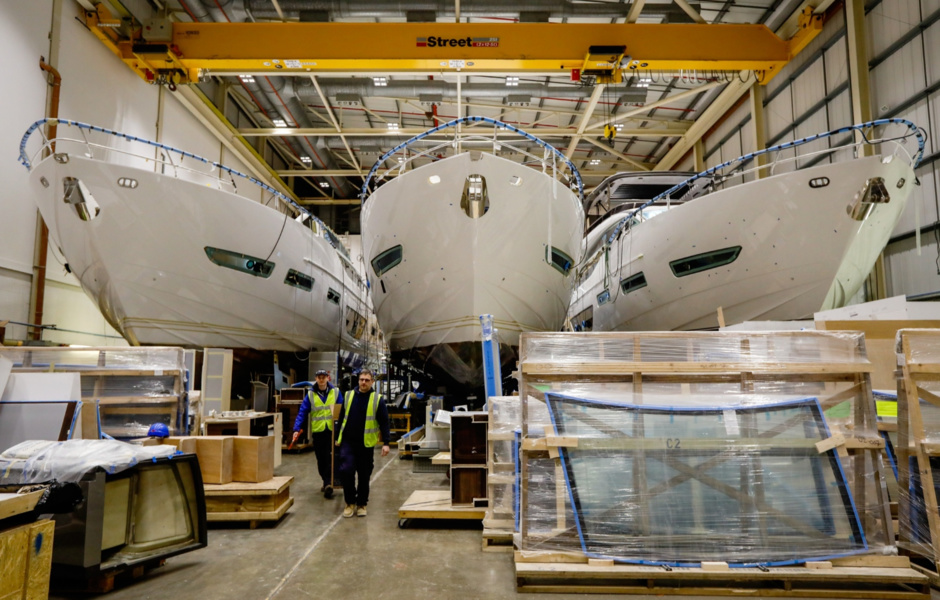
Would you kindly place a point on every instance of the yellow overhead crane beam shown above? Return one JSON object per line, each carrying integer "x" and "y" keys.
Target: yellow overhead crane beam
{"x": 179, "y": 53}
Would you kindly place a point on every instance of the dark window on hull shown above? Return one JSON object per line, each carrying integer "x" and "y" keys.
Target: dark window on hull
{"x": 298, "y": 280}
{"x": 705, "y": 261}
{"x": 332, "y": 296}
{"x": 561, "y": 261}
{"x": 383, "y": 263}
{"x": 633, "y": 283}
{"x": 603, "y": 298}
{"x": 240, "y": 262}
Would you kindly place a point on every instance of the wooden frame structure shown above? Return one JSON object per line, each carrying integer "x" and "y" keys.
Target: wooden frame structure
{"x": 110, "y": 378}
{"x": 833, "y": 365}
{"x": 920, "y": 378}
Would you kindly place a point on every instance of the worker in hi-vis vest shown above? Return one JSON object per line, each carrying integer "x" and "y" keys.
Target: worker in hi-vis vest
{"x": 318, "y": 403}
{"x": 363, "y": 418}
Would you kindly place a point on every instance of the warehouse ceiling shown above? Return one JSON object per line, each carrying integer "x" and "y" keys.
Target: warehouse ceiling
{"x": 322, "y": 132}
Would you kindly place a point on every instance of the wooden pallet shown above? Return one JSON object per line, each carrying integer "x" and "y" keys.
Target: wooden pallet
{"x": 253, "y": 502}
{"x": 497, "y": 540}
{"x": 810, "y": 581}
{"x": 106, "y": 581}
{"x": 435, "y": 504}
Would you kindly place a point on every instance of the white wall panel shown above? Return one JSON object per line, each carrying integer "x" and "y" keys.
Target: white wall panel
{"x": 923, "y": 197}
{"x": 778, "y": 114}
{"x": 932, "y": 46}
{"x": 840, "y": 110}
{"x": 813, "y": 125}
{"x": 69, "y": 308}
{"x": 888, "y": 21}
{"x": 929, "y": 6}
{"x": 909, "y": 272}
{"x": 898, "y": 78}
{"x": 24, "y": 28}
{"x": 837, "y": 66}
{"x": 809, "y": 88}
{"x": 14, "y": 287}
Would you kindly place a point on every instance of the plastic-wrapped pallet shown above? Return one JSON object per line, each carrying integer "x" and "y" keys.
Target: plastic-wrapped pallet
{"x": 678, "y": 448}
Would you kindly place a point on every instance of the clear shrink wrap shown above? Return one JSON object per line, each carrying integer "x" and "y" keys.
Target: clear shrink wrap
{"x": 678, "y": 448}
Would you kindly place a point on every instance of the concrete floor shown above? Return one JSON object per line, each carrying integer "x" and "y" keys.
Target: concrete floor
{"x": 315, "y": 553}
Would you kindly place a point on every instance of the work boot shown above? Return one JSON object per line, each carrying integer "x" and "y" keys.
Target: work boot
{"x": 349, "y": 511}
{"x": 361, "y": 511}
{"x": 322, "y": 488}
{"x": 327, "y": 491}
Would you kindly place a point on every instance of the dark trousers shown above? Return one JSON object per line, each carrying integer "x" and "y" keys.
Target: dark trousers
{"x": 356, "y": 459}
{"x": 322, "y": 444}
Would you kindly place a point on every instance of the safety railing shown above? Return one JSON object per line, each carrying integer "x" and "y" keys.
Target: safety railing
{"x": 718, "y": 180}
{"x": 89, "y": 147}
{"x": 550, "y": 158}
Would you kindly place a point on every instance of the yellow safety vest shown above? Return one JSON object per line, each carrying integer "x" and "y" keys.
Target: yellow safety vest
{"x": 370, "y": 435}
{"x": 321, "y": 413}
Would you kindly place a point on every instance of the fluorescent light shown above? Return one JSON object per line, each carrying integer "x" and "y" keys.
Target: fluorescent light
{"x": 380, "y": 81}
{"x": 306, "y": 159}
{"x": 247, "y": 78}
{"x": 434, "y": 179}
{"x": 279, "y": 122}
{"x": 595, "y": 161}
{"x": 512, "y": 80}
{"x": 393, "y": 126}
{"x": 618, "y": 126}
{"x": 324, "y": 184}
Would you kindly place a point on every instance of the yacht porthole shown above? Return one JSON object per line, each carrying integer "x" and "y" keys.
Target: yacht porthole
{"x": 127, "y": 182}
{"x": 44, "y": 182}
{"x": 819, "y": 182}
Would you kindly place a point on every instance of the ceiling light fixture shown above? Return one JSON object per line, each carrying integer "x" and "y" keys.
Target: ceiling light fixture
{"x": 324, "y": 184}
{"x": 279, "y": 122}
{"x": 247, "y": 78}
{"x": 380, "y": 81}
{"x": 512, "y": 80}
{"x": 393, "y": 127}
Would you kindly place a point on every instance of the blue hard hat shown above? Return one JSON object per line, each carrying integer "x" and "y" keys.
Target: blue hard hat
{"x": 159, "y": 430}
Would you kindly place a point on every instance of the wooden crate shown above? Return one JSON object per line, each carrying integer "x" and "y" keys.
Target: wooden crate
{"x": 26, "y": 561}
{"x": 919, "y": 355}
{"x": 870, "y": 577}
{"x": 252, "y": 502}
{"x": 834, "y": 364}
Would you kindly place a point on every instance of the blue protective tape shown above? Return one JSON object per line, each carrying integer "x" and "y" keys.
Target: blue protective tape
{"x": 24, "y": 160}
{"x": 918, "y": 132}
{"x": 474, "y": 119}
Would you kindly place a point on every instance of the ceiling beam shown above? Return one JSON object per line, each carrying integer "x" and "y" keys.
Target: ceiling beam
{"x": 630, "y": 161}
{"x": 206, "y": 113}
{"x": 810, "y": 23}
{"x": 585, "y": 119}
{"x": 329, "y": 111}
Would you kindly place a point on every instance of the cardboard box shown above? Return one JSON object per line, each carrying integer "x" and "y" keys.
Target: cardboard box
{"x": 183, "y": 443}
{"x": 253, "y": 459}
{"x": 215, "y": 458}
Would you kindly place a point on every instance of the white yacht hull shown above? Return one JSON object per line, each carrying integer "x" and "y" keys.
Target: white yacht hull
{"x": 143, "y": 261}
{"x": 455, "y": 267}
{"x": 800, "y": 252}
